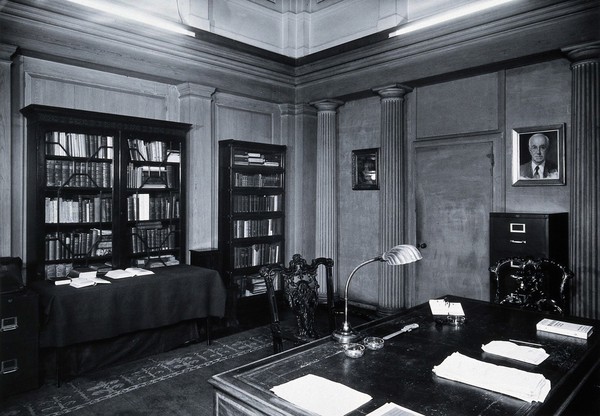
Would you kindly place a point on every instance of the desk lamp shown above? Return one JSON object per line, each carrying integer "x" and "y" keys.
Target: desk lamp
{"x": 396, "y": 256}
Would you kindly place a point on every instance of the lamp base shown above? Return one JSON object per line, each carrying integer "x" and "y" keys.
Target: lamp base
{"x": 345, "y": 336}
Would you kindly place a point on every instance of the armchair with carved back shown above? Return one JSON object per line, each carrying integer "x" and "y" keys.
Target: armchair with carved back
{"x": 300, "y": 292}
{"x": 528, "y": 283}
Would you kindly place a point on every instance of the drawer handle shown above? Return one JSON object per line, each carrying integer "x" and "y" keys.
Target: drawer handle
{"x": 516, "y": 227}
{"x": 518, "y": 241}
{"x": 9, "y": 366}
{"x": 9, "y": 324}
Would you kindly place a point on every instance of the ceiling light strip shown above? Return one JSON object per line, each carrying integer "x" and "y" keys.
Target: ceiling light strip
{"x": 135, "y": 15}
{"x": 447, "y": 16}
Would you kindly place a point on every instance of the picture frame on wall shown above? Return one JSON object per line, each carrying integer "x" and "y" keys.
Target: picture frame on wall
{"x": 365, "y": 169}
{"x": 538, "y": 155}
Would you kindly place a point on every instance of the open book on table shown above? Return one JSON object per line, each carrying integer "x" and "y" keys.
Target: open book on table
{"x": 128, "y": 272}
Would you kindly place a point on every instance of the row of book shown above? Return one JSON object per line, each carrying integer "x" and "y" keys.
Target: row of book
{"x": 77, "y": 244}
{"x": 151, "y": 177}
{"x": 82, "y": 209}
{"x": 257, "y": 203}
{"x": 257, "y": 228}
{"x": 255, "y": 285}
{"x": 153, "y": 151}
{"x": 156, "y": 261}
{"x": 257, "y": 159}
{"x": 73, "y": 173}
{"x": 258, "y": 180}
{"x": 152, "y": 236}
{"x": 143, "y": 207}
{"x": 256, "y": 255}
{"x": 60, "y": 143}
{"x": 59, "y": 270}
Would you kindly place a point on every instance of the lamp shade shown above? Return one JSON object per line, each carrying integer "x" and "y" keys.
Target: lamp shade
{"x": 401, "y": 254}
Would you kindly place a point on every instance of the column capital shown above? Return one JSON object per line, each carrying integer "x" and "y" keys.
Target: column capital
{"x": 392, "y": 91}
{"x": 589, "y": 52}
{"x": 198, "y": 90}
{"x": 6, "y": 51}
{"x": 327, "y": 105}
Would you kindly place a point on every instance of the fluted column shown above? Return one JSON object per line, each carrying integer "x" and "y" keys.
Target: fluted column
{"x": 584, "y": 161}
{"x": 326, "y": 219}
{"x": 391, "y": 285}
{"x": 6, "y": 168}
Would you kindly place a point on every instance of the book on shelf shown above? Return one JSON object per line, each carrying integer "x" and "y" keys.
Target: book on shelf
{"x": 565, "y": 328}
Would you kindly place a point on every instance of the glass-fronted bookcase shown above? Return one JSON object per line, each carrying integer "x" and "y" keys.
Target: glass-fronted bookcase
{"x": 251, "y": 213}
{"x": 103, "y": 191}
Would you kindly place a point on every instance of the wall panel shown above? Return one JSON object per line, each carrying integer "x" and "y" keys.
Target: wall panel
{"x": 468, "y": 105}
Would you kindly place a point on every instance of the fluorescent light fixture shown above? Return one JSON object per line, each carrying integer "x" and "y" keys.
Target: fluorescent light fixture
{"x": 136, "y": 15}
{"x": 449, "y": 15}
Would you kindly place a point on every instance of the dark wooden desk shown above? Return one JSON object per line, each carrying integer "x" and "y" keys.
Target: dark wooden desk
{"x": 401, "y": 372}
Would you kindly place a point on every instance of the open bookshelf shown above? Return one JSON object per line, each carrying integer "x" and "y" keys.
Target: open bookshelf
{"x": 251, "y": 213}
{"x": 104, "y": 191}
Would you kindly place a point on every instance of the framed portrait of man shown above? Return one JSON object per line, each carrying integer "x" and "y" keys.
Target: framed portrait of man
{"x": 538, "y": 156}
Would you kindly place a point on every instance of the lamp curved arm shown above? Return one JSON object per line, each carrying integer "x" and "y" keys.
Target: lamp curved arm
{"x": 378, "y": 258}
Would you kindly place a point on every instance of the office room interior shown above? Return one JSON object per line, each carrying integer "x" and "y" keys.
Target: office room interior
{"x": 446, "y": 106}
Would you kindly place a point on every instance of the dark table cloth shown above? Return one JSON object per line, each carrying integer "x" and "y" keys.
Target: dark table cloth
{"x": 171, "y": 295}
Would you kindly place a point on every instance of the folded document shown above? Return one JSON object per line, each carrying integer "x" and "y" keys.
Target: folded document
{"x": 321, "y": 396}
{"x": 509, "y": 349}
{"x": 510, "y": 381}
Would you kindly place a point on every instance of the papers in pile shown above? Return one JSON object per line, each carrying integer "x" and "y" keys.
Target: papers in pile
{"x": 321, "y": 396}
{"x": 511, "y": 350}
{"x": 511, "y": 381}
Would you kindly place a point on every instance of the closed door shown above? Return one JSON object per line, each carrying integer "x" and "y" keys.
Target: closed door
{"x": 454, "y": 196}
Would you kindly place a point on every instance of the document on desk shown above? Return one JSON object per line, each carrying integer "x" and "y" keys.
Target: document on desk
{"x": 506, "y": 380}
{"x": 392, "y": 409}
{"x": 321, "y": 396}
{"x": 511, "y": 350}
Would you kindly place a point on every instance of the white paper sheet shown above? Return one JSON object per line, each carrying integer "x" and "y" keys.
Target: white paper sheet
{"x": 321, "y": 396}
{"x": 509, "y": 349}
{"x": 511, "y": 381}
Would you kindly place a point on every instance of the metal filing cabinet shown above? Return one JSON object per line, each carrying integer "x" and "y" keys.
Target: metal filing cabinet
{"x": 534, "y": 235}
{"x": 19, "y": 370}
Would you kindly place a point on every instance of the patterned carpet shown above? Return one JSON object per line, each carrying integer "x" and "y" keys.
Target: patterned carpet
{"x": 89, "y": 394}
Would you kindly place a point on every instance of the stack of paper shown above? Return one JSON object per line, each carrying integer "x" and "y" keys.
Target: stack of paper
{"x": 321, "y": 396}
{"x": 516, "y": 352}
{"x": 511, "y": 381}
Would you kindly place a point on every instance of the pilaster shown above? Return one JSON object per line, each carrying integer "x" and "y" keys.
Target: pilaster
{"x": 391, "y": 285}
{"x": 195, "y": 107}
{"x": 326, "y": 242}
{"x": 584, "y": 162}
{"x": 6, "y": 168}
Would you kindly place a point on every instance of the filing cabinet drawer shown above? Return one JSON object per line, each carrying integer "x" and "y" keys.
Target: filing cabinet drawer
{"x": 528, "y": 235}
{"x": 19, "y": 333}
{"x": 19, "y": 370}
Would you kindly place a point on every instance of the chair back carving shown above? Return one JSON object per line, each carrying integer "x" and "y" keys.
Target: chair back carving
{"x": 539, "y": 284}
{"x": 300, "y": 291}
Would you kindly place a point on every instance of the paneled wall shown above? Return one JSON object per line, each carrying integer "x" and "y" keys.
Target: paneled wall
{"x": 469, "y": 121}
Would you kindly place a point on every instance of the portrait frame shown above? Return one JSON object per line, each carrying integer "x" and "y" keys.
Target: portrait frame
{"x": 365, "y": 169}
{"x": 555, "y": 156}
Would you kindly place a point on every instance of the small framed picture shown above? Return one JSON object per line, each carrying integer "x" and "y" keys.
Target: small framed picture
{"x": 538, "y": 156}
{"x": 365, "y": 169}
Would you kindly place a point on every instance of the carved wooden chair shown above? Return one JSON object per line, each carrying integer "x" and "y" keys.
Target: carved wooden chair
{"x": 300, "y": 292}
{"x": 539, "y": 284}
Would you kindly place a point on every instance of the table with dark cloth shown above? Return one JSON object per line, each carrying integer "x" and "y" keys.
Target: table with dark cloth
{"x": 171, "y": 295}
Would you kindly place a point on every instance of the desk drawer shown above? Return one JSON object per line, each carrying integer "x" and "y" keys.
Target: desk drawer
{"x": 18, "y": 315}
